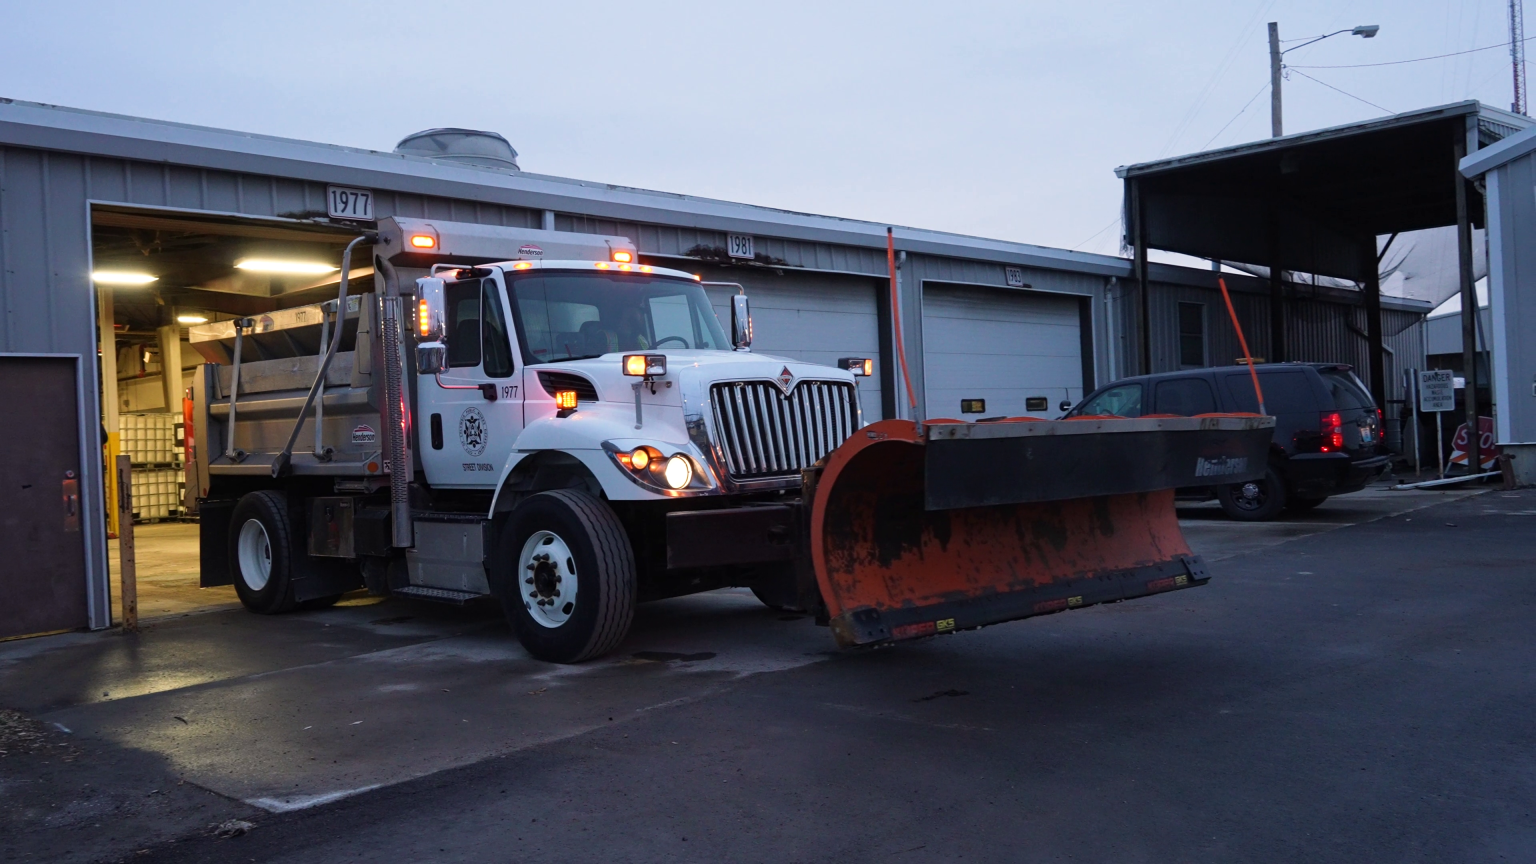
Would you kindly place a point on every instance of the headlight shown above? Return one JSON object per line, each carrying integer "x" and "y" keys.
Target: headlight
{"x": 678, "y": 472}
{"x": 650, "y": 467}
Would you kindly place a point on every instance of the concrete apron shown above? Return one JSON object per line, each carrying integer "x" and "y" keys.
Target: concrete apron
{"x": 294, "y": 711}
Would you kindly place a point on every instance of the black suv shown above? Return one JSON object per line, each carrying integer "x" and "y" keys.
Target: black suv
{"x": 1327, "y": 428}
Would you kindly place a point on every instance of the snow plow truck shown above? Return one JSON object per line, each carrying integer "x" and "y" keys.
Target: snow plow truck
{"x": 543, "y": 418}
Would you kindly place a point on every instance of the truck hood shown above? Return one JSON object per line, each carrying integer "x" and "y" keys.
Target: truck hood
{"x": 692, "y": 369}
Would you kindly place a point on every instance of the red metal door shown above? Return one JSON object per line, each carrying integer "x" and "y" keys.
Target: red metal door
{"x": 42, "y": 548}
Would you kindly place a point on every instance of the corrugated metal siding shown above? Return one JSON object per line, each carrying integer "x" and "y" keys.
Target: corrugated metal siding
{"x": 669, "y": 240}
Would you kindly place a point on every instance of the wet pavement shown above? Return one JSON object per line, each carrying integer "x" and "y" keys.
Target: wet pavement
{"x": 1316, "y": 687}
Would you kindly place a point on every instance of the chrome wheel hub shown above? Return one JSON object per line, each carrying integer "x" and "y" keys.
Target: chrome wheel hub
{"x": 547, "y": 573}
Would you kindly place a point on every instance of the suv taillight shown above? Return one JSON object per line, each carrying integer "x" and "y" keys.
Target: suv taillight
{"x": 1333, "y": 431}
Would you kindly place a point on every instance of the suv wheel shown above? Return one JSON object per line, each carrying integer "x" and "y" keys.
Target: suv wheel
{"x": 1255, "y": 501}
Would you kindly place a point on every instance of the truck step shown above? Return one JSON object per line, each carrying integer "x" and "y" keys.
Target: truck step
{"x": 438, "y": 595}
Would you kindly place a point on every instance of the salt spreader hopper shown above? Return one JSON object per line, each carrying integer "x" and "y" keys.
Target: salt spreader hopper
{"x": 918, "y": 529}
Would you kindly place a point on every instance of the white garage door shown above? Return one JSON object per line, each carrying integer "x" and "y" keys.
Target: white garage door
{"x": 1002, "y": 346}
{"x": 812, "y": 319}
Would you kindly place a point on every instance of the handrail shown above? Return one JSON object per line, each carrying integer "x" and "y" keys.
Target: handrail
{"x": 280, "y": 464}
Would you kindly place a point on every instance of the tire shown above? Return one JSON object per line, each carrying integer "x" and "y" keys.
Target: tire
{"x": 533, "y": 587}
{"x": 1255, "y": 501}
{"x": 1303, "y": 504}
{"x": 775, "y": 588}
{"x": 261, "y": 553}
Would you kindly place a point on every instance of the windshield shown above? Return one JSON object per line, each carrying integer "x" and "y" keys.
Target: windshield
{"x": 570, "y": 316}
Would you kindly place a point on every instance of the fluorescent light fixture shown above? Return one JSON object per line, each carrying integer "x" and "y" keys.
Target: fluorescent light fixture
{"x": 192, "y": 319}
{"x": 269, "y": 265}
{"x": 121, "y": 277}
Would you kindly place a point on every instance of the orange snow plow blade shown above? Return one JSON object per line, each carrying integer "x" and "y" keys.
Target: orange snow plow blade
{"x": 917, "y": 531}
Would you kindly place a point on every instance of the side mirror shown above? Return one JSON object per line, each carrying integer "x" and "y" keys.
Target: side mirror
{"x": 1066, "y": 404}
{"x": 431, "y": 311}
{"x": 741, "y": 323}
{"x": 431, "y": 358}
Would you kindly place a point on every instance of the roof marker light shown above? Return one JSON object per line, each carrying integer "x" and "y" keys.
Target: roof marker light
{"x": 601, "y": 265}
{"x": 624, "y": 257}
{"x": 523, "y": 265}
{"x": 423, "y": 241}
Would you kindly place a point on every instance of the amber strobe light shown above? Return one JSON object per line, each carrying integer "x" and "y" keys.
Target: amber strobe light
{"x": 624, "y": 257}
{"x": 565, "y": 399}
{"x": 423, "y": 241}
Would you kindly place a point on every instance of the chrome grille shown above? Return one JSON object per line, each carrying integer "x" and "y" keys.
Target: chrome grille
{"x": 763, "y": 433}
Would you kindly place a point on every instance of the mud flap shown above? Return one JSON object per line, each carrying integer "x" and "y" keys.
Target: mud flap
{"x": 899, "y": 554}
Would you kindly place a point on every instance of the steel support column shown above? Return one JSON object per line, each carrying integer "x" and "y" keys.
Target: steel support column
{"x": 1373, "y": 338}
{"x": 1469, "y": 308}
{"x": 1143, "y": 285}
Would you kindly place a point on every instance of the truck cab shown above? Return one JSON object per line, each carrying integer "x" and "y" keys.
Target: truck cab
{"x": 580, "y": 431}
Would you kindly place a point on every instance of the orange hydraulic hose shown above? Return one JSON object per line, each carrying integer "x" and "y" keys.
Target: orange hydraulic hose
{"x": 1252, "y": 372}
{"x": 901, "y": 354}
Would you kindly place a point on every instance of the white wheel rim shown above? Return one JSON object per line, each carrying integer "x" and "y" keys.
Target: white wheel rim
{"x": 255, "y": 554}
{"x": 546, "y": 578}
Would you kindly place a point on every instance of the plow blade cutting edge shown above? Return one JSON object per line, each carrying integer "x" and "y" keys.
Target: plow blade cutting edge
{"x": 953, "y": 525}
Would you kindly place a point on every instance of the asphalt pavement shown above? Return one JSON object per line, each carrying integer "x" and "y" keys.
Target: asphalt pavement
{"x": 1350, "y": 686}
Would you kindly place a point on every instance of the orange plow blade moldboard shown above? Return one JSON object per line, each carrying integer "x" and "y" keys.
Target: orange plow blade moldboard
{"x": 952, "y": 525}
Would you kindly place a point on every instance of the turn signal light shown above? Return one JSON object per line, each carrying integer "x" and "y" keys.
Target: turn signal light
{"x": 640, "y": 458}
{"x": 565, "y": 400}
{"x": 624, "y": 257}
{"x": 423, "y": 241}
{"x": 423, "y": 318}
{"x": 864, "y": 366}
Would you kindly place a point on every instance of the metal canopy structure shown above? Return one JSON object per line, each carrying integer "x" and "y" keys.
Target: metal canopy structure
{"x": 1316, "y": 203}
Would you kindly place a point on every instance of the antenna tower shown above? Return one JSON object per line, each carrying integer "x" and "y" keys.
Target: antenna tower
{"x": 1517, "y": 52}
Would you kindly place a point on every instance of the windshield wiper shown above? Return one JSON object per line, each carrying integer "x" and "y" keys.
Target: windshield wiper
{"x": 581, "y": 357}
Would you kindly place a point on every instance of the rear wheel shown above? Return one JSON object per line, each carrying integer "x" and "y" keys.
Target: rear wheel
{"x": 1255, "y": 501}
{"x": 1302, "y": 504}
{"x": 261, "y": 553}
{"x": 568, "y": 589}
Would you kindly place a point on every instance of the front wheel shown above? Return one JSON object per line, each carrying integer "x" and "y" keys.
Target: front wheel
{"x": 568, "y": 586}
{"x": 1255, "y": 501}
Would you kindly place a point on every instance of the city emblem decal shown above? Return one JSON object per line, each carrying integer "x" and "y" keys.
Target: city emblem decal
{"x": 786, "y": 380}
{"x": 473, "y": 431}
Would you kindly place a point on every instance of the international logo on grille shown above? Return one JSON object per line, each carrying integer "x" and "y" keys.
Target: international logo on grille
{"x": 786, "y": 380}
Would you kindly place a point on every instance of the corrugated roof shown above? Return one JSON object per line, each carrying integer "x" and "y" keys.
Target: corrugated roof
{"x": 30, "y": 124}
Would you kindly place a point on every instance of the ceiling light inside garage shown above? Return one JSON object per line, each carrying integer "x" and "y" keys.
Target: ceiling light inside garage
{"x": 121, "y": 277}
{"x": 270, "y": 265}
{"x": 192, "y": 319}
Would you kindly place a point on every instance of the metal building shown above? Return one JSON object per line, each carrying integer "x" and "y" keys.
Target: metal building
{"x": 1507, "y": 174}
{"x": 1024, "y": 328}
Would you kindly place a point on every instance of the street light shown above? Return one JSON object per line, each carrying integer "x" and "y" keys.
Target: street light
{"x": 1364, "y": 31}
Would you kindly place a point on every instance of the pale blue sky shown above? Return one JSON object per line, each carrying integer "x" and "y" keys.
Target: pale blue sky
{"x": 1000, "y": 119}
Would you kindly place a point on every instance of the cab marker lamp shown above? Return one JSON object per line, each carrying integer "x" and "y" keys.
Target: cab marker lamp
{"x": 523, "y": 265}
{"x": 423, "y": 241}
{"x": 624, "y": 257}
{"x": 645, "y": 365}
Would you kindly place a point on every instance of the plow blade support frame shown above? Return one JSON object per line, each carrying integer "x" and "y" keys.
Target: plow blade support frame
{"x": 918, "y": 530}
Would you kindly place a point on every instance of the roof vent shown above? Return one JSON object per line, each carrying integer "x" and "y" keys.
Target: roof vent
{"x": 466, "y": 146}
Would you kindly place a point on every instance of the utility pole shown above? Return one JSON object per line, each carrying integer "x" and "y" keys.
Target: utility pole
{"x": 1517, "y": 52}
{"x": 1276, "y": 126}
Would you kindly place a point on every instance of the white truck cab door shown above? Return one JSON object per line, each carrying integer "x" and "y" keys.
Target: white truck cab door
{"x": 465, "y": 437}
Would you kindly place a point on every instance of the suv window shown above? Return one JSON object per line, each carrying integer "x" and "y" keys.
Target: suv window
{"x": 1286, "y": 391}
{"x": 1185, "y": 396}
{"x": 1347, "y": 391}
{"x": 1121, "y": 401}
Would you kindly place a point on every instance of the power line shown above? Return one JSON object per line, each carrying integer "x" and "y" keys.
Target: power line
{"x": 1337, "y": 90}
{"x": 1240, "y": 113}
{"x": 1414, "y": 60}
{"x": 1097, "y": 233}
{"x": 1219, "y": 75}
